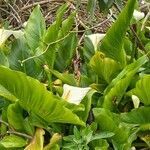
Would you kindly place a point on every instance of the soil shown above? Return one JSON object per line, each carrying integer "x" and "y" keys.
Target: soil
{"x": 16, "y": 12}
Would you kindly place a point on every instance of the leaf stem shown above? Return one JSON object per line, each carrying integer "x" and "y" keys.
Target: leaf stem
{"x": 14, "y": 132}
{"x": 20, "y": 134}
{"x": 138, "y": 39}
{"x": 5, "y": 123}
{"x": 36, "y": 56}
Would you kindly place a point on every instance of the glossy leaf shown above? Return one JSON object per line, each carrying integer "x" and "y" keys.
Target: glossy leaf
{"x": 111, "y": 45}
{"x": 5, "y": 93}
{"x": 142, "y": 90}
{"x": 3, "y": 59}
{"x": 34, "y": 97}
{"x": 118, "y": 86}
{"x": 64, "y": 77}
{"x": 87, "y": 101}
{"x": 91, "y": 5}
{"x": 13, "y": 141}
{"x": 35, "y": 29}
{"x": 52, "y": 35}
{"x": 67, "y": 47}
{"x": 138, "y": 116}
{"x": 133, "y": 66}
{"x": 67, "y": 25}
{"x": 66, "y": 52}
{"x": 19, "y": 52}
{"x": 105, "y": 4}
{"x": 113, "y": 97}
{"x": 52, "y": 32}
{"x": 105, "y": 67}
{"x": 16, "y": 119}
{"x": 102, "y": 135}
{"x": 108, "y": 123}
{"x": 100, "y": 144}
{"x": 88, "y": 50}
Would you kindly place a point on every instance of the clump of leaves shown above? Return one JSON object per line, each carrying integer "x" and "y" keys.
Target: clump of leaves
{"x": 52, "y": 100}
{"x": 81, "y": 139}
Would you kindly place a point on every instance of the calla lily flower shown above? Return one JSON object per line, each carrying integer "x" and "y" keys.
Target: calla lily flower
{"x": 136, "y": 101}
{"x": 138, "y": 15}
{"x": 148, "y": 28}
{"x": 95, "y": 39}
{"x": 74, "y": 94}
{"x": 5, "y": 34}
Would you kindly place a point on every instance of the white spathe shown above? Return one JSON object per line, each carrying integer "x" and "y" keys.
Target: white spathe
{"x": 95, "y": 39}
{"x": 74, "y": 94}
{"x": 148, "y": 28}
{"x": 136, "y": 101}
{"x": 5, "y": 34}
{"x": 138, "y": 15}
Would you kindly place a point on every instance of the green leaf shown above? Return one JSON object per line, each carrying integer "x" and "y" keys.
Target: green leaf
{"x": 91, "y": 7}
{"x": 100, "y": 144}
{"x": 102, "y": 135}
{"x": 4, "y": 127}
{"x": 60, "y": 12}
{"x": 16, "y": 120}
{"x": 107, "y": 123}
{"x": 113, "y": 97}
{"x": 64, "y": 77}
{"x": 112, "y": 44}
{"x": 35, "y": 29}
{"x": 105, "y": 4}
{"x": 142, "y": 89}
{"x": 52, "y": 35}
{"x": 77, "y": 133}
{"x": 139, "y": 116}
{"x": 88, "y": 50}
{"x": 105, "y": 67}
{"x": 133, "y": 66}
{"x": 52, "y": 32}
{"x": 3, "y": 59}
{"x": 119, "y": 3}
{"x": 66, "y": 52}
{"x": 67, "y": 25}
{"x": 13, "y": 141}
{"x": 34, "y": 97}
{"x": 87, "y": 101}
{"x": 5, "y": 93}
{"x": 128, "y": 46}
{"x": 19, "y": 52}
{"x": 2, "y": 147}
{"x": 118, "y": 86}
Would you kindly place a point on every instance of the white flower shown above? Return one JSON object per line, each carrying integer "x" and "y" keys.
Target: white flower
{"x": 24, "y": 24}
{"x": 136, "y": 101}
{"x": 148, "y": 28}
{"x": 5, "y": 34}
{"x": 133, "y": 148}
{"x": 138, "y": 15}
{"x": 74, "y": 94}
{"x": 95, "y": 39}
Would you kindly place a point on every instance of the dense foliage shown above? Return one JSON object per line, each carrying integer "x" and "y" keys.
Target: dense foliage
{"x": 61, "y": 90}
